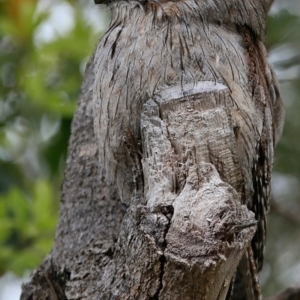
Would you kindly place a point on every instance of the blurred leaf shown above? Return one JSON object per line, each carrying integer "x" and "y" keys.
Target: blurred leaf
{"x": 39, "y": 88}
{"x": 29, "y": 223}
{"x": 282, "y": 28}
{"x": 20, "y": 20}
{"x": 43, "y": 210}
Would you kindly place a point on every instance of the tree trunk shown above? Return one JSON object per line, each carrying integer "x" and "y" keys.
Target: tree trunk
{"x": 167, "y": 214}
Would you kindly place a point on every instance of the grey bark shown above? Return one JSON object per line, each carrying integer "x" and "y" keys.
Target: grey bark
{"x": 185, "y": 135}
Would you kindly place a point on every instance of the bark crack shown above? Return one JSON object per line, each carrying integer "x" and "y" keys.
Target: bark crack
{"x": 167, "y": 211}
{"x": 162, "y": 260}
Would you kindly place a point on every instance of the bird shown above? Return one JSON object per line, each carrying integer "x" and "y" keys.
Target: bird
{"x": 152, "y": 45}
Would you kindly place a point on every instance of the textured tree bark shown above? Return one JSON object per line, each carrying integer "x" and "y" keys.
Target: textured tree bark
{"x": 89, "y": 219}
{"x": 185, "y": 155}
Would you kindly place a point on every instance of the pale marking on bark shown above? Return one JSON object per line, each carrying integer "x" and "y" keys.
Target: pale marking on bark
{"x": 191, "y": 89}
{"x": 88, "y": 150}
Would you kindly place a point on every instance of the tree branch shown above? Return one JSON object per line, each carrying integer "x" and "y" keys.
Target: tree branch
{"x": 206, "y": 235}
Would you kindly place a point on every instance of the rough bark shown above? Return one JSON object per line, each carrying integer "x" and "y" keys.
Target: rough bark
{"x": 153, "y": 256}
{"x": 89, "y": 219}
{"x": 185, "y": 136}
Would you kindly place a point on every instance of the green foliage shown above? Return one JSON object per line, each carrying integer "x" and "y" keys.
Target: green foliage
{"x": 282, "y": 28}
{"x": 282, "y": 251}
{"x": 283, "y": 35}
{"x": 53, "y": 70}
{"x": 27, "y": 223}
{"x": 40, "y": 83}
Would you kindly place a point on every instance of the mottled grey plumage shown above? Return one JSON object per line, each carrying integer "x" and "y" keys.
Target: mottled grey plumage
{"x": 152, "y": 45}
